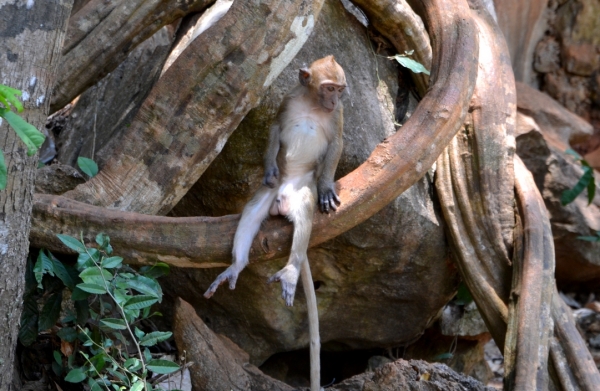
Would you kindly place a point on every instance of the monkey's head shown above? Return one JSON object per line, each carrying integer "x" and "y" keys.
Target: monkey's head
{"x": 325, "y": 79}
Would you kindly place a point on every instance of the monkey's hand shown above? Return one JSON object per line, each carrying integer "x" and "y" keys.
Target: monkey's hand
{"x": 230, "y": 274}
{"x": 328, "y": 198}
{"x": 271, "y": 176}
{"x": 289, "y": 279}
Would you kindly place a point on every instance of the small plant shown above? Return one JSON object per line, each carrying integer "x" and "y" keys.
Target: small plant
{"x": 407, "y": 62}
{"x": 88, "y": 166}
{"x": 32, "y": 138}
{"x": 110, "y": 300}
{"x": 586, "y": 181}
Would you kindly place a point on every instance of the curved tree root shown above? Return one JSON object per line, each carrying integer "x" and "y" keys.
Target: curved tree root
{"x": 465, "y": 185}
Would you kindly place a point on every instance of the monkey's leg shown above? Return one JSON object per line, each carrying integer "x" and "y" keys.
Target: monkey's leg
{"x": 313, "y": 327}
{"x": 255, "y": 211}
{"x": 301, "y": 209}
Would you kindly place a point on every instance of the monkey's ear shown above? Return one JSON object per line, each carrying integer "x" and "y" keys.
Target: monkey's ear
{"x": 304, "y": 76}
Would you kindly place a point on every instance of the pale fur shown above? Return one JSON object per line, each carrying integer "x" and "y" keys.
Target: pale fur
{"x": 305, "y": 144}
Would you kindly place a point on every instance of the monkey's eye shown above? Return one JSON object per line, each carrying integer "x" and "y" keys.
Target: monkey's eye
{"x": 341, "y": 89}
{"x": 330, "y": 88}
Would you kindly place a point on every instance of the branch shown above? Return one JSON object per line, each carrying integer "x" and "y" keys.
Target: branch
{"x": 103, "y": 33}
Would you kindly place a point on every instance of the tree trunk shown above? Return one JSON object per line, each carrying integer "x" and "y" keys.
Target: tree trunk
{"x": 32, "y": 35}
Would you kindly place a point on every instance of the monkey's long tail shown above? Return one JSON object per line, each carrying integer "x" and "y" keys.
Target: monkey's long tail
{"x": 313, "y": 327}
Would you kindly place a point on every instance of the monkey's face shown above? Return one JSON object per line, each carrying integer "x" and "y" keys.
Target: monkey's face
{"x": 329, "y": 95}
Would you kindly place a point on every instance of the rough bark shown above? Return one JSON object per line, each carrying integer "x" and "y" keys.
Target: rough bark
{"x": 102, "y": 113}
{"x": 32, "y": 34}
{"x": 475, "y": 182}
{"x": 197, "y": 103}
{"x": 530, "y": 324}
{"x": 103, "y": 33}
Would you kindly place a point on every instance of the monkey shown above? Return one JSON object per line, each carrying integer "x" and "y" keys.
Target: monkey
{"x": 304, "y": 148}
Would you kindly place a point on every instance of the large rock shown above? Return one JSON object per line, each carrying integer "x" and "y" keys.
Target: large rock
{"x": 413, "y": 375}
{"x": 378, "y": 285}
{"x": 568, "y": 56}
{"x": 542, "y": 143}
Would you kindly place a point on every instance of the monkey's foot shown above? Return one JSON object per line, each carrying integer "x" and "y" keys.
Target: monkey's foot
{"x": 288, "y": 276}
{"x": 230, "y": 274}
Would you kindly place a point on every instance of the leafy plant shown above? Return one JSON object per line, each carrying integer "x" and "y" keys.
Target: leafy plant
{"x": 407, "y": 62}
{"x": 32, "y": 138}
{"x": 111, "y": 299}
{"x": 586, "y": 181}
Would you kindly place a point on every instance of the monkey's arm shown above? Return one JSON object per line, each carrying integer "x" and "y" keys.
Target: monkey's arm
{"x": 328, "y": 198}
{"x": 271, "y": 177}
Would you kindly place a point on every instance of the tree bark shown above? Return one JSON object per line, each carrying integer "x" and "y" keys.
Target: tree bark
{"x": 32, "y": 35}
{"x": 101, "y": 35}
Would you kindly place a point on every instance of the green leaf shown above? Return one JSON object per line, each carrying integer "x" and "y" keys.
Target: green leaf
{"x": 140, "y": 302}
{"x": 92, "y": 288}
{"x": 57, "y": 357}
{"x": 51, "y": 311}
{"x": 591, "y": 188}
{"x": 3, "y": 171}
{"x": 147, "y": 354}
{"x": 114, "y": 323}
{"x": 88, "y": 166}
{"x": 61, "y": 272}
{"x": 78, "y": 294}
{"x": 155, "y": 337}
{"x": 72, "y": 243}
{"x": 144, "y": 285}
{"x": 112, "y": 262}
{"x": 76, "y": 375}
{"x": 93, "y": 275}
{"x": 162, "y": 366}
{"x": 119, "y": 375}
{"x": 42, "y": 266}
{"x": 137, "y": 386}
{"x": 102, "y": 239}
{"x": 95, "y": 385}
{"x": 68, "y": 334}
{"x": 159, "y": 269}
{"x": 139, "y": 333}
{"x": 463, "y": 296}
{"x": 133, "y": 364}
{"x": 85, "y": 260}
{"x": 32, "y": 137}
{"x": 83, "y": 311}
{"x": 29, "y": 321}
{"x": 411, "y": 64}
{"x": 98, "y": 361}
{"x": 9, "y": 95}
{"x": 589, "y": 238}
{"x": 573, "y": 153}
{"x": 569, "y": 196}
{"x": 443, "y": 356}
{"x": 57, "y": 369}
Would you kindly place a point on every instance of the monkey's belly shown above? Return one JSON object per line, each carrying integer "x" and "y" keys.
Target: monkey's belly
{"x": 305, "y": 144}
